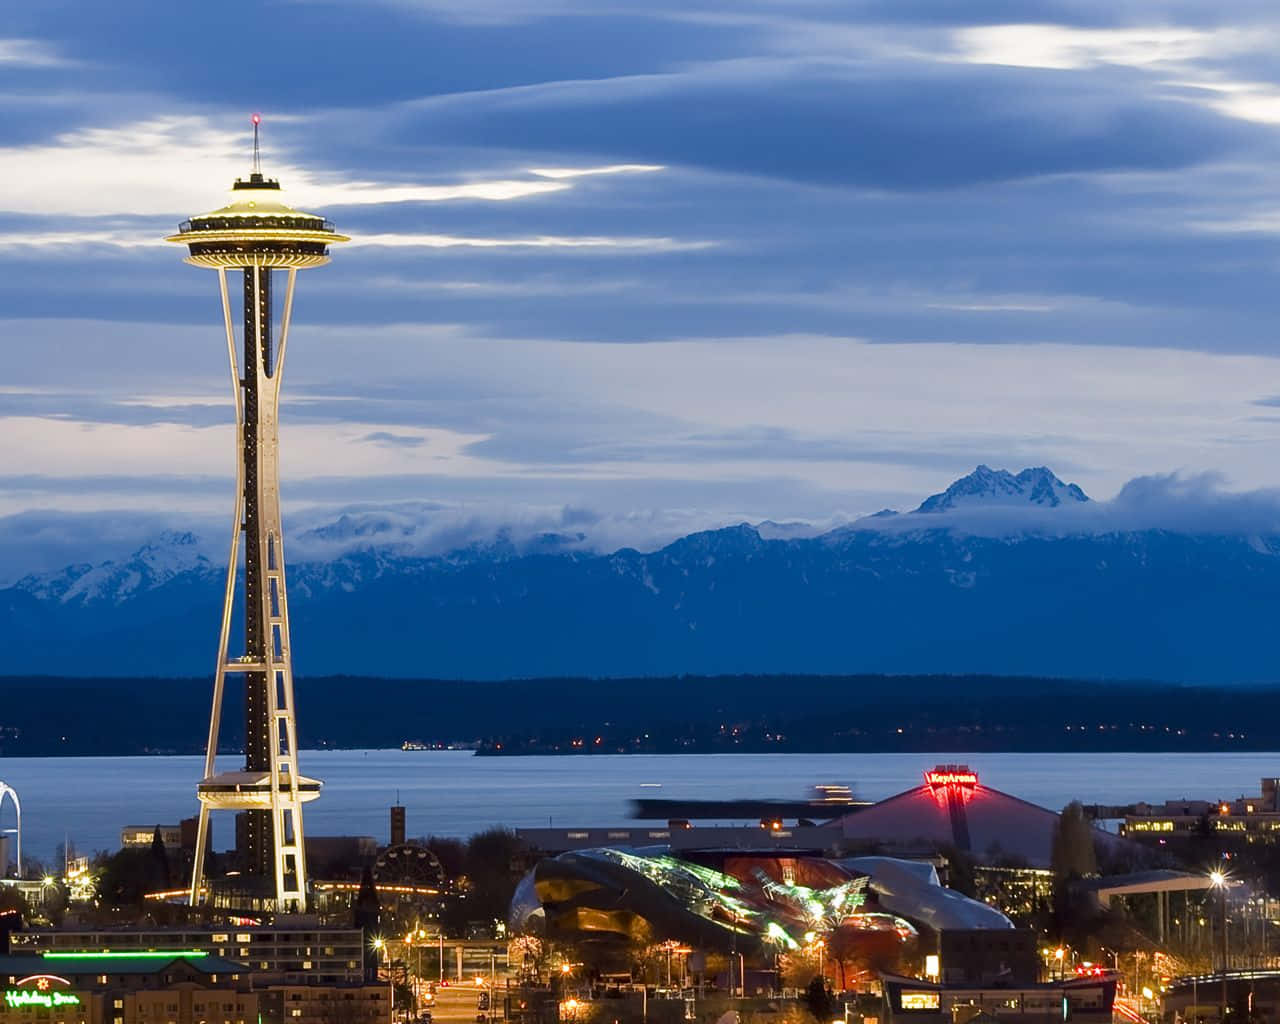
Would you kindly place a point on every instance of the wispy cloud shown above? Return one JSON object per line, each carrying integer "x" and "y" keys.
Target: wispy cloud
{"x": 582, "y": 172}
{"x": 536, "y": 242}
{"x": 133, "y": 239}
{"x": 177, "y": 165}
{"x": 1063, "y": 47}
{"x": 29, "y": 53}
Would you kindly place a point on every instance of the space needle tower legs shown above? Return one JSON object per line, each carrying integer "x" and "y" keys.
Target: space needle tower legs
{"x": 257, "y": 234}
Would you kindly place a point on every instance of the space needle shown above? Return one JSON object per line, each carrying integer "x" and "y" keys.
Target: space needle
{"x": 257, "y": 234}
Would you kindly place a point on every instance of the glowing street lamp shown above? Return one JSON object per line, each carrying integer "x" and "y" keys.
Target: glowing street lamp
{"x": 381, "y": 945}
{"x": 1218, "y": 878}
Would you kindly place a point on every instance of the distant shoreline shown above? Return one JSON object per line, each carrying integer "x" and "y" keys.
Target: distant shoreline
{"x": 933, "y": 751}
{"x": 793, "y": 714}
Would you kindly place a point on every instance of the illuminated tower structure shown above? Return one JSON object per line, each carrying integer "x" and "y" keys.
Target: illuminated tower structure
{"x": 257, "y": 234}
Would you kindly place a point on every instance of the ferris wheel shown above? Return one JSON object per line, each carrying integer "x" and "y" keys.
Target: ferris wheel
{"x": 414, "y": 867}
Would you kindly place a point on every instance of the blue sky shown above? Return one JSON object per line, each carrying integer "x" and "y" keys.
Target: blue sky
{"x": 665, "y": 264}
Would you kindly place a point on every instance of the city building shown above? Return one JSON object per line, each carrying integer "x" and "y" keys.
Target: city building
{"x": 988, "y": 956}
{"x": 912, "y": 1001}
{"x": 1019, "y": 893}
{"x": 953, "y": 808}
{"x": 172, "y": 987}
{"x": 1255, "y": 817}
{"x": 762, "y": 904}
{"x": 1252, "y": 994}
{"x": 291, "y": 953}
{"x": 134, "y": 837}
{"x": 258, "y": 235}
{"x": 808, "y": 838}
{"x": 161, "y": 987}
{"x": 324, "y": 1004}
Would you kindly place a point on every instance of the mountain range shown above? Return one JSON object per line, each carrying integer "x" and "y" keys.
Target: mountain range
{"x": 1001, "y": 573}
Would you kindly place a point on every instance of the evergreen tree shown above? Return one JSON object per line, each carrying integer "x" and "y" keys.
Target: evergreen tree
{"x": 1072, "y": 854}
{"x": 160, "y": 858}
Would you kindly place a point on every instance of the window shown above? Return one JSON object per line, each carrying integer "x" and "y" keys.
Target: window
{"x": 919, "y": 1000}
{"x": 222, "y": 937}
{"x": 117, "y": 1004}
{"x": 296, "y": 1012}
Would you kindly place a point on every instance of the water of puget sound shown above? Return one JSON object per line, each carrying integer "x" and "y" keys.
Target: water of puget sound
{"x": 89, "y": 799}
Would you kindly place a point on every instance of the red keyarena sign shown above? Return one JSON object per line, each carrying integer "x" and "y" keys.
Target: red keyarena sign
{"x": 960, "y": 778}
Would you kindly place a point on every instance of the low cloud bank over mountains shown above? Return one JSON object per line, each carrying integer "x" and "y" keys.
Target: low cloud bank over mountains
{"x": 1174, "y": 579}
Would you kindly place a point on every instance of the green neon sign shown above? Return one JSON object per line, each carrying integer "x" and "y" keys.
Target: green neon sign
{"x": 18, "y": 998}
{"x": 126, "y": 955}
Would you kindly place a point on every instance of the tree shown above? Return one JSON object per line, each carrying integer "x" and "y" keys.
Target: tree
{"x": 495, "y": 860}
{"x": 819, "y": 999}
{"x": 160, "y": 857}
{"x": 451, "y": 853}
{"x": 11, "y": 899}
{"x": 857, "y": 952}
{"x": 800, "y": 966}
{"x": 1072, "y": 854}
{"x": 128, "y": 875}
{"x": 960, "y": 871}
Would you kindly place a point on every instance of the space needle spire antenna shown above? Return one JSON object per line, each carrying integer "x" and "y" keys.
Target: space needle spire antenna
{"x": 259, "y": 236}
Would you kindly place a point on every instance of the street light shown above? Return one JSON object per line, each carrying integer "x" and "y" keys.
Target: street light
{"x": 1218, "y": 879}
{"x": 381, "y": 945}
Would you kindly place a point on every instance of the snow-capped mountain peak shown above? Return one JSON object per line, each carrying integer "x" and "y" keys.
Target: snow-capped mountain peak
{"x": 172, "y": 554}
{"x": 985, "y": 487}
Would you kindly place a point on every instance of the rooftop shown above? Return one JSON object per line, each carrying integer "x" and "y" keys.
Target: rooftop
{"x": 131, "y": 962}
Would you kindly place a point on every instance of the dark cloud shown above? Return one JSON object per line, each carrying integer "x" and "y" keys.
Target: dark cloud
{"x": 89, "y": 408}
{"x": 390, "y": 440}
{"x": 873, "y": 125}
{"x": 751, "y": 444}
{"x": 287, "y": 55}
{"x": 856, "y": 179}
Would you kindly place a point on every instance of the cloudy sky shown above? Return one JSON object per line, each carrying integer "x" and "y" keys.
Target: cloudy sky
{"x": 677, "y": 261}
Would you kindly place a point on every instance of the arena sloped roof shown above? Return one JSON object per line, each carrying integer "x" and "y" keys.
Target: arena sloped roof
{"x": 953, "y": 808}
